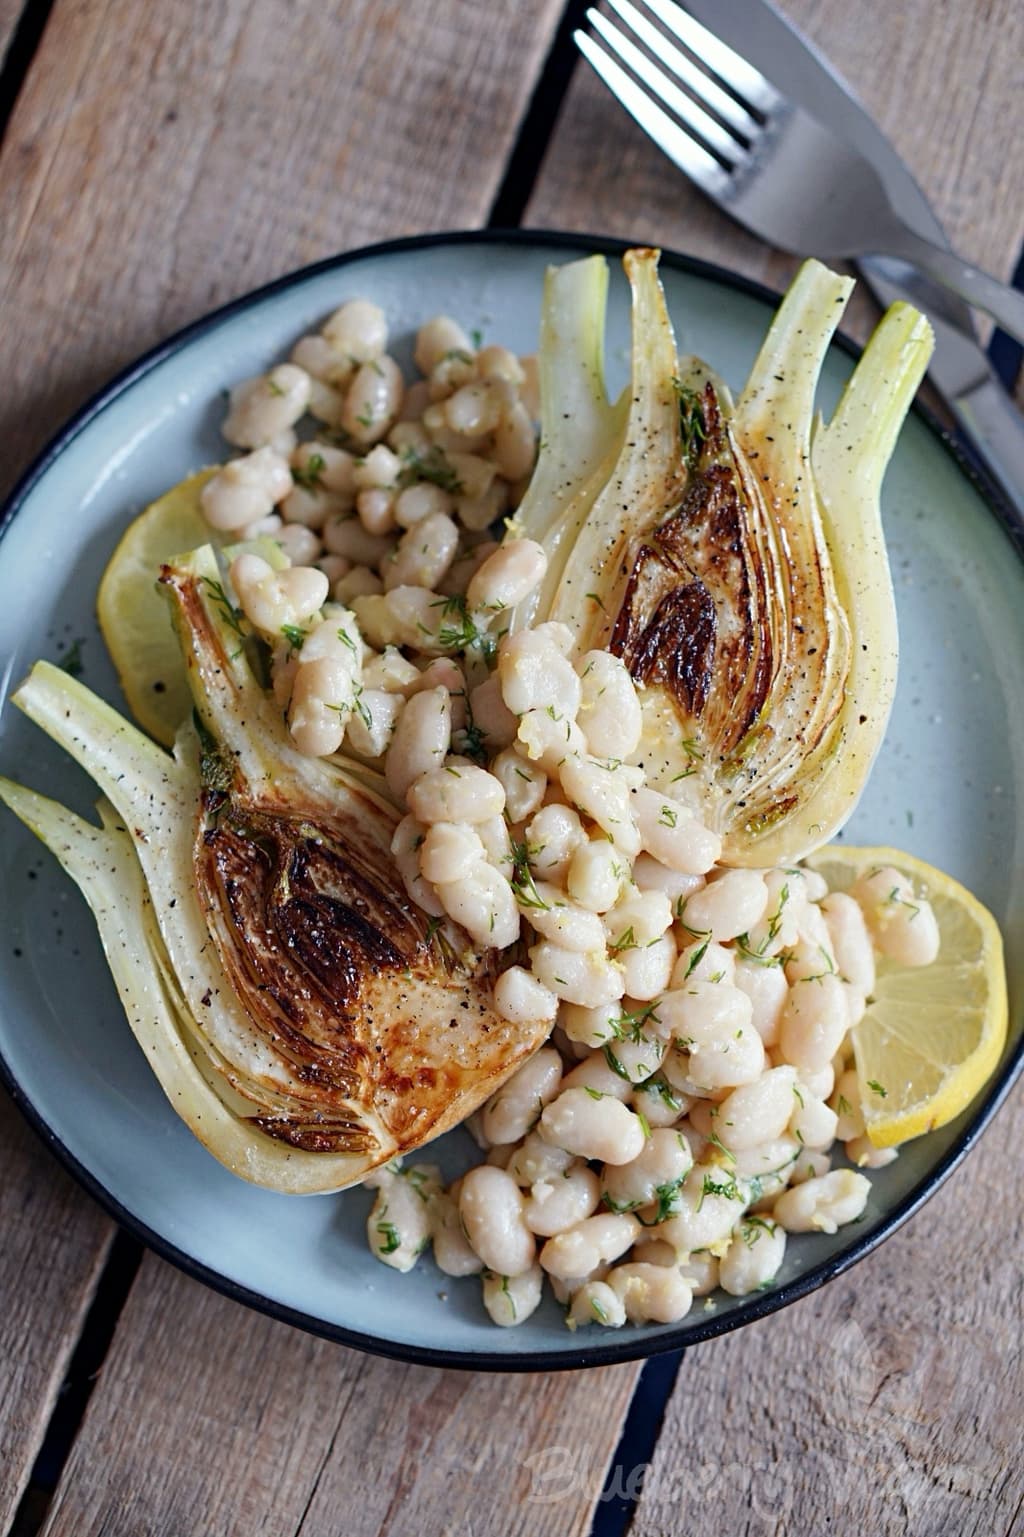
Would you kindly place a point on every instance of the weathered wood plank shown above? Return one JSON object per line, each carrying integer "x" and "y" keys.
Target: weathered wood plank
{"x": 892, "y": 1396}
{"x": 211, "y": 1420}
{"x": 54, "y": 1241}
{"x": 163, "y": 160}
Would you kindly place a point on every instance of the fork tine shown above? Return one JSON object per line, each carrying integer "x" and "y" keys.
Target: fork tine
{"x": 658, "y": 84}
{"x": 730, "y": 67}
{"x": 703, "y": 86}
{"x": 676, "y": 143}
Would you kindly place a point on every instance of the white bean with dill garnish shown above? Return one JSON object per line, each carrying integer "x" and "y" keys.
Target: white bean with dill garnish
{"x": 421, "y": 740}
{"x": 766, "y": 987}
{"x": 658, "y": 1102}
{"x": 565, "y": 924}
{"x": 603, "y": 794}
{"x": 372, "y": 721}
{"x": 823, "y": 1205}
{"x": 520, "y": 998}
{"x": 507, "y": 576}
{"x": 524, "y": 784}
{"x": 609, "y": 714}
{"x": 670, "y": 832}
{"x": 635, "y": 1055}
{"x": 511, "y": 1112}
{"x": 263, "y": 408}
{"x": 651, "y": 1293}
{"x": 372, "y": 400}
{"x": 594, "y": 1073}
{"x": 535, "y": 1159}
{"x": 813, "y": 1123}
{"x": 902, "y": 924}
{"x": 577, "y": 978}
{"x": 728, "y": 906}
{"x": 436, "y": 339}
{"x": 483, "y": 902}
{"x": 510, "y": 1300}
{"x": 405, "y": 846}
{"x": 535, "y": 675}
{"x": 649, "y": 874}
{"x": 813, "y": 1021}
{"x": 704, "y": 961}
{"x": 653, "y": 1178}
{"x": 548, "y": 738}
{"x": 556, "y": 1204}
{"x": 594, "y": 1126}
{"x": 595, "y": 1302}
{"x": 398, "y": 1227}
{"x": 756, "y": 1112}
{"x": 754, "y": 1257}
{"x": 423, "y": 553}
{"x": 594, "y": 1241}
{"x": 596, "y": 874}
{"x": 710, "y": 1203}
{"x": 491, "y": 1207}
{"x": 647, "y": 969}
{"x": 551, "y": 839}
{"x": 455, "y": 794}
{"x": 245, "y": 490}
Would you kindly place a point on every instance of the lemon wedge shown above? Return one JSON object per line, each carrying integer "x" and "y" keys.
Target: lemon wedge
{"x": 134, "y": 618}
{"x": 931, "y": 1036}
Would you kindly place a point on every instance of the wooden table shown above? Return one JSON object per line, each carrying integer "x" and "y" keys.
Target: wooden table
{"x": 158, "y": 160}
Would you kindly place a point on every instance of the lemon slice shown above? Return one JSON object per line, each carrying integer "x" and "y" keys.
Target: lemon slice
{"x": 134, "y": 618}
{"x": 932, "y": 1035}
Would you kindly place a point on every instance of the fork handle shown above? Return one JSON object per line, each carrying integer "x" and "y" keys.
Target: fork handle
{"x": 1004, "y": 304}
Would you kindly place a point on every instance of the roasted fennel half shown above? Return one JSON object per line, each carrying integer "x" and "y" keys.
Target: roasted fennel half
{"x": 305, "y": 1019}
{"x": 731, "y": 553}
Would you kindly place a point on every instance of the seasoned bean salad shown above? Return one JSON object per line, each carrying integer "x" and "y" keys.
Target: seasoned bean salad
{"x": 680, "y": 1123}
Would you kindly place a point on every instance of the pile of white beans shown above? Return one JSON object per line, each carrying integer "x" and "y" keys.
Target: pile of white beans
{"x": 679, "y": 1124}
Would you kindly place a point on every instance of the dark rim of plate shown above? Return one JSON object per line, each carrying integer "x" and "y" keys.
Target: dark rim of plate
{"x": 625, "y": 1346}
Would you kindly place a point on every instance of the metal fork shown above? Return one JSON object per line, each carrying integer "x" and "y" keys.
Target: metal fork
{"x": 766, "y": 161}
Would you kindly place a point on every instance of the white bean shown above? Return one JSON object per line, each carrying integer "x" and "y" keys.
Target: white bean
{"x": 405, "y": 846}
{"x": 552, "y": 838}
{"x": 595, "y": 1302}
{"x": 345, "y": 535}
{"x": 436, "y": 339}
{"x": 754, "y": 1257}
{"x": 536, "y": 1159}
{"x": 813, "y": 1123}
{"x": 358, "y": 582}
{"x": 565, "y": 924}
{"x": 813, "y": 1021}
{"x": 647, "y": 969}
{"x": 511, "y": 1112}
{"x": 450, "y": 794}
{"x": 704, "y": 961}
{"x": 521, "y": 999}
{"x": 515, "y": 443}
{"x": 483, "y": 902}
{"x": 245, "y": 489}
{"x": 424, "y": 553}
{"x": 847, "y": 1105}
{"x": 510, "y": 1300}
{"x": 507, "y": 576}
{"x": 655, "y": 1175}
{"x": 594, "y": 1241}
{"x": 398, "y": 1227}
{"x": 560, "y": 1203}
{"x": 609, "y": 714}
{"x": 649, "y": 874}
{"x": 491, "y": 1208}
{"x": 823, "y": 1205}
{"x": 863, "y": 1152}
{"x": 549, "y": 739}
{"x": 603, "y": 795}
{"x": 373, "y": 400}
{"x": 359, "y": 330}
{"x": 272, "y": 599}
{"x": 595, "y": 875}
{"x": 448, "y": 851}
{"x": 757, "y": 1112}
{"x": 375, "y": 510}
{"x": 320, "y": 360}
{"x": 660, "y": 1103}
{"x": 600, "y": 1128}
{"x": 577, "y": 978}
{"x": 728, "y": 906}
{"x": 635, "y": 1057}
{"x": 639, "y": 918}
{"x": 651, "y": 1293}
{"x": 452, "y": 1251}
{"x": 262, "y": 408}
{"x": 709, "y": 1204}
{"x": 534, "y": 675}
{"x": 594, "y": 1073}
{"x": 421, "y": 740}
{"x": 524, "y": 784}
{"x": 903, "y": 925}
{"x": 766, "y": 987}
{"x": 491, "y": 715}
{"x": 670, "y": 832}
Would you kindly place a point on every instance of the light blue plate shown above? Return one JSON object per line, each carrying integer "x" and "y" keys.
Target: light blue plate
{"x": 948, "y": 786}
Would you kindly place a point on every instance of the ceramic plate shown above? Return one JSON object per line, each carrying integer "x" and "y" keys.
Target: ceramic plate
{"x": 947, "y": 787}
